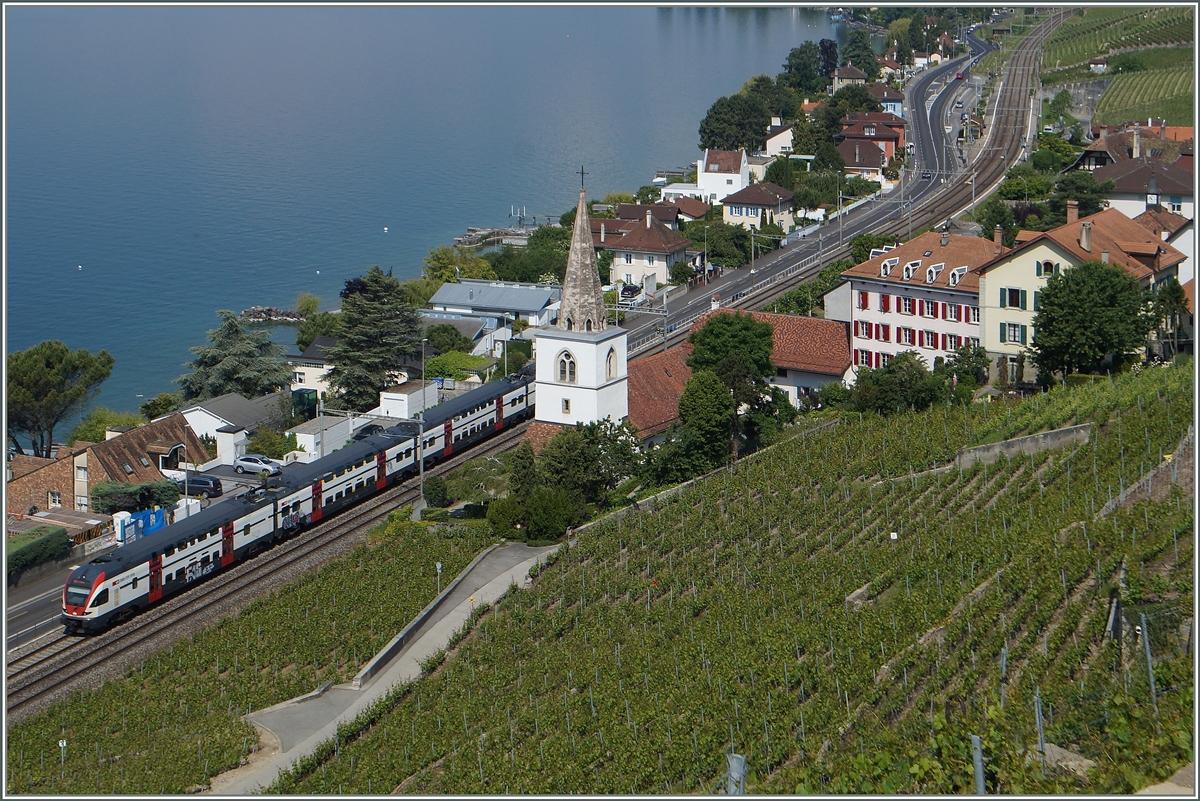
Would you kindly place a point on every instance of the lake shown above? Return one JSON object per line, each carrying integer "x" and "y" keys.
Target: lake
{"x": 164, "y": 163}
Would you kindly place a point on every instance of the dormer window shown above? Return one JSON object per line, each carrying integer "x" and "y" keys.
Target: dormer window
{"x": 885, "y": 269}
{"x": 712, "y": 168}
{"x": 956, "y": 275}
{"x": 932, "y": 272}
{"x": 911, "y": 268}
{"x": 870, "y": 130}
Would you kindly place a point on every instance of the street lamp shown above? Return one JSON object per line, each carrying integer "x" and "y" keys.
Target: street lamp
{"x": 185, "y": 479}
{"x": 706, "y": 255}
{"x": 419, "y": 504}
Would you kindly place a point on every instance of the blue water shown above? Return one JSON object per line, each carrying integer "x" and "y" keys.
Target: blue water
{"x": 164, "y": 163}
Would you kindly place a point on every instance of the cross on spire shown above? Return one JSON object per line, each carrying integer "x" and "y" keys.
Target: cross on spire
{"x": 581, "y": 174}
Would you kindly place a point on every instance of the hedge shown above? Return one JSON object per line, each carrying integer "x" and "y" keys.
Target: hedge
{"x": 49, "y": 542}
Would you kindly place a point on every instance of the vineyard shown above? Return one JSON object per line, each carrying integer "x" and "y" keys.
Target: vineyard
{"x": 1104, "y": 29}
{"x": 769, "y": 610}
{"x": 176, "y": 719}
{"x": 1168, "y": 93}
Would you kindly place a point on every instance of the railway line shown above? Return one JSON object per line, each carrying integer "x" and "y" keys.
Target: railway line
{"x": 49, "y": 670}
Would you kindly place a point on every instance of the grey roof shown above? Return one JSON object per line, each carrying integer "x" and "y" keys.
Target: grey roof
{"x": 317, "y": 348}
{"x": 498, "y": 295}
{"x": 243, "y": 412}
{"x": 468, "y": 326}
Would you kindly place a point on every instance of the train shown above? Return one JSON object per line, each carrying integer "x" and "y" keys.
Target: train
{"x": 117, "y": 585}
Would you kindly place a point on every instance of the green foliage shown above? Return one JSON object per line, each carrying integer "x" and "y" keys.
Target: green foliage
{"x": 728, "y": 245}
{"x": 682, "y": 272}
{"x": 307, "y": 304}
{"x": 378, "y": 328}
{"x": 861, "y": 53}
{"x": 47, "y": 384}
{"x": 828, "y": 158}
{"x": 449, "y": 264}
{"x": 239, "y": 360}
{"x": 1062, "y": 104}
{"x": 455, "y": 365}
{"x": 504, "y": 515}
{"x": 113, "y": 496}
{"x": 161, "y": 404}
{"x": 39, "y": 544}
{"x": 645, "y": 195}
{"x": 589, "y": 460}
{"x": 1086, "y": 313}
{"x": 604, "y": 259}
{"x": 436, "y": 493}
{"x": 802, "y": 71}
{"x": 735, "y": 122}
{"x": 93, "y": 426}
{"x": 323, "y": 324}
{"x": 1163, "y": 93}
{"x": 782, "y": 172}
{"x": 416, "y": 292}
{"x": 993, "y": 212}
{"x": 444, "y": 337}
{"x": 777, "y": 98}
{"x": 862, "y": 245}
{"x": 545, "y": 254}
{"x": 210, "y": 445}
{"x": 1028, "y": 182}
{"x": 970, "y": 363}
{"x": 522, "y": 472}
{"x": 901, "y": 384}
{"x": 271, "y": 443}
{"x": 1170, "y": 309}
{"x": 435, "y": 514}
{"x": 706, "y": 414}
{"x": 551, "y": 511}
{"x": 808, "y": 296}
{"x": 723, "y": 335}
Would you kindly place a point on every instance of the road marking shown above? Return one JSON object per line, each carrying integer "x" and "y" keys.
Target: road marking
{"x": 31, "y": 628}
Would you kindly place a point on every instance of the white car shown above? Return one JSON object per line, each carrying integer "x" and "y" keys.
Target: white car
{"x": 255, "y": 463}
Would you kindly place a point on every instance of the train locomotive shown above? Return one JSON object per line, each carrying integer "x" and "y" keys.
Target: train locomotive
{"x": 116, "y": 585}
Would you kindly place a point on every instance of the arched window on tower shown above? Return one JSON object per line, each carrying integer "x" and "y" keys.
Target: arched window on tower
{"x": 566, "y": 368}
{"x": 587, "y": 324}
{"x": 570, "y": 324}
{"x": 611, "y": 363}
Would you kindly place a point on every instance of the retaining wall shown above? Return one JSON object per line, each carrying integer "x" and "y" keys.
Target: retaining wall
{"x": 1034, "y": 443}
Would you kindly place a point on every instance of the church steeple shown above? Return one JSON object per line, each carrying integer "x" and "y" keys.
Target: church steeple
{"x": 582, "y": 306}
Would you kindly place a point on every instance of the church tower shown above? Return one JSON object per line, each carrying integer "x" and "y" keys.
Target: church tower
{"x": 582, "y": 373}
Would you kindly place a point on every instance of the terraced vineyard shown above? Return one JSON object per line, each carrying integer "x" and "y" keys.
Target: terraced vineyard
{"x": 1104, "y": 29}
{"x": 1168, "y": 93}
{"x": 770, "y": 610}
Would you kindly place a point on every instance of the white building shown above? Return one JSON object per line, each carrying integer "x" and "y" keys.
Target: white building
{"x": 581, "y": 362}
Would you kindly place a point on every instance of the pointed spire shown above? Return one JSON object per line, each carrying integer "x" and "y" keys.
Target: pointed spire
{"x": 582, "y": 306}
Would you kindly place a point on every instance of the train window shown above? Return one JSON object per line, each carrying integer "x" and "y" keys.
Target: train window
{"x": 327, "y": 477}
{"x": 101, "y": 598}
{"x": 246, "y": 530}
{"x": 169, "y": 550}
{"x": 408, "y": 453}
{"x": 133, "y": 583}
{"x": 204, "y": 559}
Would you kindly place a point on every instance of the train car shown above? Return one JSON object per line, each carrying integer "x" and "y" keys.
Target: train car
{"x": 115, "y": 586}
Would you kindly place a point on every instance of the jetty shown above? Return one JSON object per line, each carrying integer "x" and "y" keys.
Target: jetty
{"x": 480, "y": 237}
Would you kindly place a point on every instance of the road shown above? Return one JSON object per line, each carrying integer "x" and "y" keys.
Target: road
{"x": 929, "y": 98}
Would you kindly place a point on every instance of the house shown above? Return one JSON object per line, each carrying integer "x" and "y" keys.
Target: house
{"x": 1144, "y": 183}
{"x": 1184, "y": 240}
{"x": 1122, "y": 143}
{"x": 809, "y": 106}
{"x": 649, "y": 248}
{"x": 889, "y": 69}
{"x": 311, "y": 368}
{"x": 231, "y": 419}
{"x": 922, "y": 295}
{"x": 1160, "y": 222}
{"x": 720, "y": 173}
{"x": 863, "y": 159}
{"x": 690, "y": 208}
{"x": 758, "y": 164}
{"x": 1010, "y": 284}
{"x": 779, "y": 137}
{"x": 880, "y": 128}
{"x": 656, "y": 382}
{"x": 1098, "y": 65}
{"x": 849, "y": 75}
{"x": 150, "y": 452}
{"x": 536, "y": 304}
{"x": 935, "y": 58}
{"x": 920, "y": 60}
{"x": 606, "y": 230}
{"x": 759, "y": 204}
{"x": 946, "y": 44}
{"x": 891, "y": 100}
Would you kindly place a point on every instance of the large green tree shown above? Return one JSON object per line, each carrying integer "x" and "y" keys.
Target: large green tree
{"x": 735, "y": 122}
{"x": 902, "y": 384}
{"x": 861, "y": 53}
{"x": 444, "y": 338}
{"x": 239, "y": 360}
{"x": 1084, "y": 314}
{"x": 993, "y": 212}
{"x": 779, "y": 100}
{"x": 47, "y": 384}
{"x": 590, "y": 460}
{"x": 829, "y": 56}
{"x": 1170, "y": 310}
{"x": 377, "y": 330}
{"x": 802, "y": 70}
{"x": 449, "y": 264}
{"x": 699, "y": 442}
{"x": 1078, "y": 185}
{"x": 95, "y": 424}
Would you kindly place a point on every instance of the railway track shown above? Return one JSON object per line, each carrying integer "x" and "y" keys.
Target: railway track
{"x": 54, "y": 668}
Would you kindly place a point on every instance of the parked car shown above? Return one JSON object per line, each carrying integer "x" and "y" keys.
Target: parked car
{"x": 367, "y": 431}
{"x": 202, "y": 485}
{"x": 255, "y": 463}
{"x": 630, "y": 290}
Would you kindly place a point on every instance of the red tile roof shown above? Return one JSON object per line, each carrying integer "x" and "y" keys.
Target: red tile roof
{"x": 859, "y": 131}
{"x": 849, "y": 72}
{"x": 959, "y": 251}
{"x": 637, "y": 211}
{"x": 1158, "y": 220}
{"x": 881, "y": 91}
{"x": 857, "y": 153}
{"x": 613, "y": 230}
{"x": 21, "y": 464}
{"x": 690, "y": 206}
{"x": 761, "y": 194}
{"x": 655, "y": 384}
{"x": 653, "y": 238}
{"x": 802, "y": 343}
{"x": 878, "y": 117}
{"x": 539, "y": 433}
{"x": 724, "y": 160}
{"x": 1133, "y": 176}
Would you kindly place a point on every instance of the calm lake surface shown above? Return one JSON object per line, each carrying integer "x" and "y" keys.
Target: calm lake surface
{"x": 166, "y": 162}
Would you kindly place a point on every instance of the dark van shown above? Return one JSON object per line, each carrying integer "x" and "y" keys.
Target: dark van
{"x": 204, "y": 486}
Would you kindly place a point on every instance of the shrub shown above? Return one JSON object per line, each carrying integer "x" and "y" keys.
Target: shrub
{"x": 504, "y": 515}
{"x": 41, "y": 545}
{"x": 435, "y": 514}
{"x": 271, "y": 443}
{"x": 112, "y": 496}
{"x": 552, "y": 511}
{"x": 436, "y": 493}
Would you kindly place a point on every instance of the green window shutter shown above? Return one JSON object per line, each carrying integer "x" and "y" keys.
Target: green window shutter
{"x": 1003, "y": 332}
{"x": 1037, "y": 300}
{"x": 1056, "y": 265}
{"x": 1022, "y": 298}
{"x": 1024, "y": 339}
{"x": 1038, "y": 266}
{"x": 1003, "y": 297}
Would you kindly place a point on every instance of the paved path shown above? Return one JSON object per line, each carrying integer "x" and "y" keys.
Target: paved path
{"x": 1182, "y": 783}
{"x": 296, "y": 728}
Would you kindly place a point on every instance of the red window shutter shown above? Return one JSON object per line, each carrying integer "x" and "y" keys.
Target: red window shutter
{"x": 856, "y": 355}
{"x": 920, "y": 308}
{"x": 887, "y": 333}
{"x": 943, "y": 341}
{"x": 944, "y": 310}
{"x": 885, "y": 301}
{"x": 962, "y": 314}
{"x": 878, "y": 330}
{"x": 879, "y": 360}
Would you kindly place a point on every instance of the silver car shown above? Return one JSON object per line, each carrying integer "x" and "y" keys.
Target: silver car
{"x": 254, "y": 463}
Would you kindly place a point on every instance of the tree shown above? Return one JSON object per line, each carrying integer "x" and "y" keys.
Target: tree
{"x": 861, "y": 53}
{"x": 738, "y": 349}
{"x": 93, "y": 426}
{"x": 307, "y": 304}
{"x": 112, "y": 496}
{"x": 806, "y": 199}
{"x": 993, "y": 212}
{"x": 970, "y": 363}
{"x": 807, "y": 296}
{"x": 1084, "y": 314}
{"x": 1026, "y": 182}
{"x": 444, "y": 337}
{"x": 1077, "y": 185}
{"x": 436, "y": 493}
{"x": 829, "y": 57}
{"x": 1062, "y": 103}
{"x": 1170, "y": 309}
{"x": 828, "y": 158}
{"x": 272, "y": 443}
{"x": 589, "y": 460}
{"x": 645, "y": 195}
{"x": 449, "y": 264}
{"x": 804, "y": 140}
{"x": 776, "y": 97}
{"x": 897, "y": 36}
{"x": 862, "y": 245}
{"x": 735, "y": 122}
{"x": 551, "y": 511}
{"x": 454, "y": 365}
{"x": 847, "y": 100}
{"x": 522, "y": 472}
{"x": 902, "y": 383}
{"x": 505, "y": 514}
{"x": 377, "y": 330}
{"x": 706, "y": 410}
{"x": 48, "y": 384}
{"x": 682, "y": 272}
{"x": 161, "y": 404}
{"x": 238, "y": 360}
{"x": 728, "y": 245}
{"x": 802, "y": 69}
{"x": 324, "y": 324}
{"x": 781, "y": 172}
{"x": 916, "y": 35}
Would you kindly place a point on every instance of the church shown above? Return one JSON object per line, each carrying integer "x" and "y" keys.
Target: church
{"x": 581, "y": 361}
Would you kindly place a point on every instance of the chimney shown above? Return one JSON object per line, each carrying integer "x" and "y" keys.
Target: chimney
{"x": 1162, "y": 130}
{"x": 1137, "y": 143}
{"x": 649, "y": 215}
{"x": 857, "y": 155}
{"x": 777, "y": 121}
{"x": 1072, "y": 211}
{"x": 1103, "y": 131}
{"x": 1104, "y": 256}
{"x": 998, "y": 238}
{"x": 1085, "y": 236}
{"x": 601, "y": 233}
{"x": 945, "y": 238}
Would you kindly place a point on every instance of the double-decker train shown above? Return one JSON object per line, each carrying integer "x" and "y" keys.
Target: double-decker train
{"x": 117, "y": 585}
